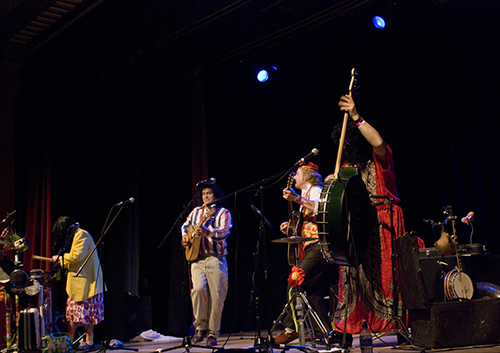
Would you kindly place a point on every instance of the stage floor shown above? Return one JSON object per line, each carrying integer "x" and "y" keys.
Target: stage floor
{"x": 246, "y": 341}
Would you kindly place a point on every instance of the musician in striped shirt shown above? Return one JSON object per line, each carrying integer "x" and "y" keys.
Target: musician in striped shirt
{"x": 209, "y": 272}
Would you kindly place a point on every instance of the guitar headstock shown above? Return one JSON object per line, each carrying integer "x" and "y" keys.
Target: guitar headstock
{"x": 353, "y": 85}
{"x": 291, "y": 181}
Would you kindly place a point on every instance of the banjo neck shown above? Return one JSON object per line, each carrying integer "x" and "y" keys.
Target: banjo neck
{"x": 344, "y": 126}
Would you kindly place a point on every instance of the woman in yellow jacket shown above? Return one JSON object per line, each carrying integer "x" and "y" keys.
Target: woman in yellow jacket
{"x": 85, "y": 303}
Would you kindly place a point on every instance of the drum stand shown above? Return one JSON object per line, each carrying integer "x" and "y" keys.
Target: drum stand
{"x": 304, "y": 310}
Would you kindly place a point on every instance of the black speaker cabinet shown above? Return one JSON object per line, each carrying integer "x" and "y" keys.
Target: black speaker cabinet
{"x": 455, "y": 324}
{"x": 434, "y": 321}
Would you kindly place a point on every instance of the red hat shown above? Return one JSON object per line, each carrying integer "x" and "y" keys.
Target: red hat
{"x": 310, "y": 166}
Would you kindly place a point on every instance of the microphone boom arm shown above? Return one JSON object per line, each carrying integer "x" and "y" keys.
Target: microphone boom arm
{"x": 105, "y": 230}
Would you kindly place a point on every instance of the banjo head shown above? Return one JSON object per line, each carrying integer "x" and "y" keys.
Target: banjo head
{"x": 458, "y": 285}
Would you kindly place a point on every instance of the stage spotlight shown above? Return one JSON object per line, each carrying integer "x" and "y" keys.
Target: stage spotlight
{"x": 264, "y": 74}
{"x": 378, "y": 22}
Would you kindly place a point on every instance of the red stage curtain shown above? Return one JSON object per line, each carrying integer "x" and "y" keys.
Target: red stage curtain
{"x": 39, "y": 219}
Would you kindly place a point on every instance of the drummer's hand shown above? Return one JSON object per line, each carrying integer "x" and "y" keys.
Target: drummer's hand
{"x": 284, "y": 227}
{"x": 290, "y": 195}
{"x": 331, "y": 176}
{"x": 54, "y": 258}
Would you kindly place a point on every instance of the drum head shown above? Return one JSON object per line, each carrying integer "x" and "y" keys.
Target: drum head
{"x": 350, "y": 221}
{"x": 360, "y": 218}
{"x": 18, "y": 278}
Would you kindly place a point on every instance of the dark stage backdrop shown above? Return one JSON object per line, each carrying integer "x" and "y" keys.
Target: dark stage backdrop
{"x": 429, "y": 84}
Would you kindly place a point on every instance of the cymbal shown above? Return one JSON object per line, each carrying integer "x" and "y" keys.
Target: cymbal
{"x": 292, "y": 240}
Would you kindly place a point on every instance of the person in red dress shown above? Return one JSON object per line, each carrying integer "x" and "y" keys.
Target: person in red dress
{"x": 369, "y": 285}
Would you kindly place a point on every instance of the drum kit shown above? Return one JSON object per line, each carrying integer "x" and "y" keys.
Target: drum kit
{"x": 26, "y": 288}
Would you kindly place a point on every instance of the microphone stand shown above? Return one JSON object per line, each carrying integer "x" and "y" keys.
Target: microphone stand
{"x": 179, "y": 219}
{"x": 260, "y": 342}
{"x": 400, "y": 328}
{"x": 103, "y": 233}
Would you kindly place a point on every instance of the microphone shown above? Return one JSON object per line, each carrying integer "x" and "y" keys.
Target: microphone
{"x": 126, "y": 202}
{"x": 469, "y": 218}
{"x": 314, "y": 152}
{"x": 75, "y": 225}
{"x": 9, "y": 215}
{"x": 259, "y": 214}
{"x": 209, "y": 181}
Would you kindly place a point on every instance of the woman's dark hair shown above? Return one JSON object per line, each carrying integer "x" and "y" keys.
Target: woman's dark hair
{"x": 357, "y": 151}
{"x": 60, "y": 232}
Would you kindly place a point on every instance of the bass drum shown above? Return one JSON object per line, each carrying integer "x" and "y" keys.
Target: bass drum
{"x": 346, "y": 219}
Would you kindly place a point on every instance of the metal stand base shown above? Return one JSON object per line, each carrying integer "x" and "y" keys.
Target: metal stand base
{"x": 304, "y": 312}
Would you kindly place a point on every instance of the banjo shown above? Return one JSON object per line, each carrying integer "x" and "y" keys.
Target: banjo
{"x": 457, "y": 284}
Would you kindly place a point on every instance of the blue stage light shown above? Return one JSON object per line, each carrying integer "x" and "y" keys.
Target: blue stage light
{"x": 266, "y": 73}
{"x": 378, "y": 22}
{"x": 263, "y": 76}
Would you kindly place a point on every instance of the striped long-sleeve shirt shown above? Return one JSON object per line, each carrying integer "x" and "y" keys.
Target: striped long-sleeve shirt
{"x": 219, "y": 226}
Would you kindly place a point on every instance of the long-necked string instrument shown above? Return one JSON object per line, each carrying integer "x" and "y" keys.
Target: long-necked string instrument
{"x": 344, "y": 126}
{"x": 294, "y": 225}
{"x": 457, "y": 284}
{"x": 332, "y": 229}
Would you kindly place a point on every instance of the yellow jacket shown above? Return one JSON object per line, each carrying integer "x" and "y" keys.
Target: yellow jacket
{"x": 90, "y": 281}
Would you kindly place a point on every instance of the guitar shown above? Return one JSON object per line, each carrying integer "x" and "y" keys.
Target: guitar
{"x": 193, "y": 247}
{"x": 294, "y": 224}
{"x": 457, "y": 284}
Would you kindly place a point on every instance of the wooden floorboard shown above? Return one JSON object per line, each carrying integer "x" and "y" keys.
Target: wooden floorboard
{"x": 247, "y": 341}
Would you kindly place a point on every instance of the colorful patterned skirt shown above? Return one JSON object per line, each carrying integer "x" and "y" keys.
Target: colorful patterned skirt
{"x": 90, "y": 311}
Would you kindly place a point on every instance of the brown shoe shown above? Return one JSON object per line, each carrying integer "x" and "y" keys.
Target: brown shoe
{"x": 211, "y": 341}
{"x": 285, "y": 337}
{"x": 198, "y": 336}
